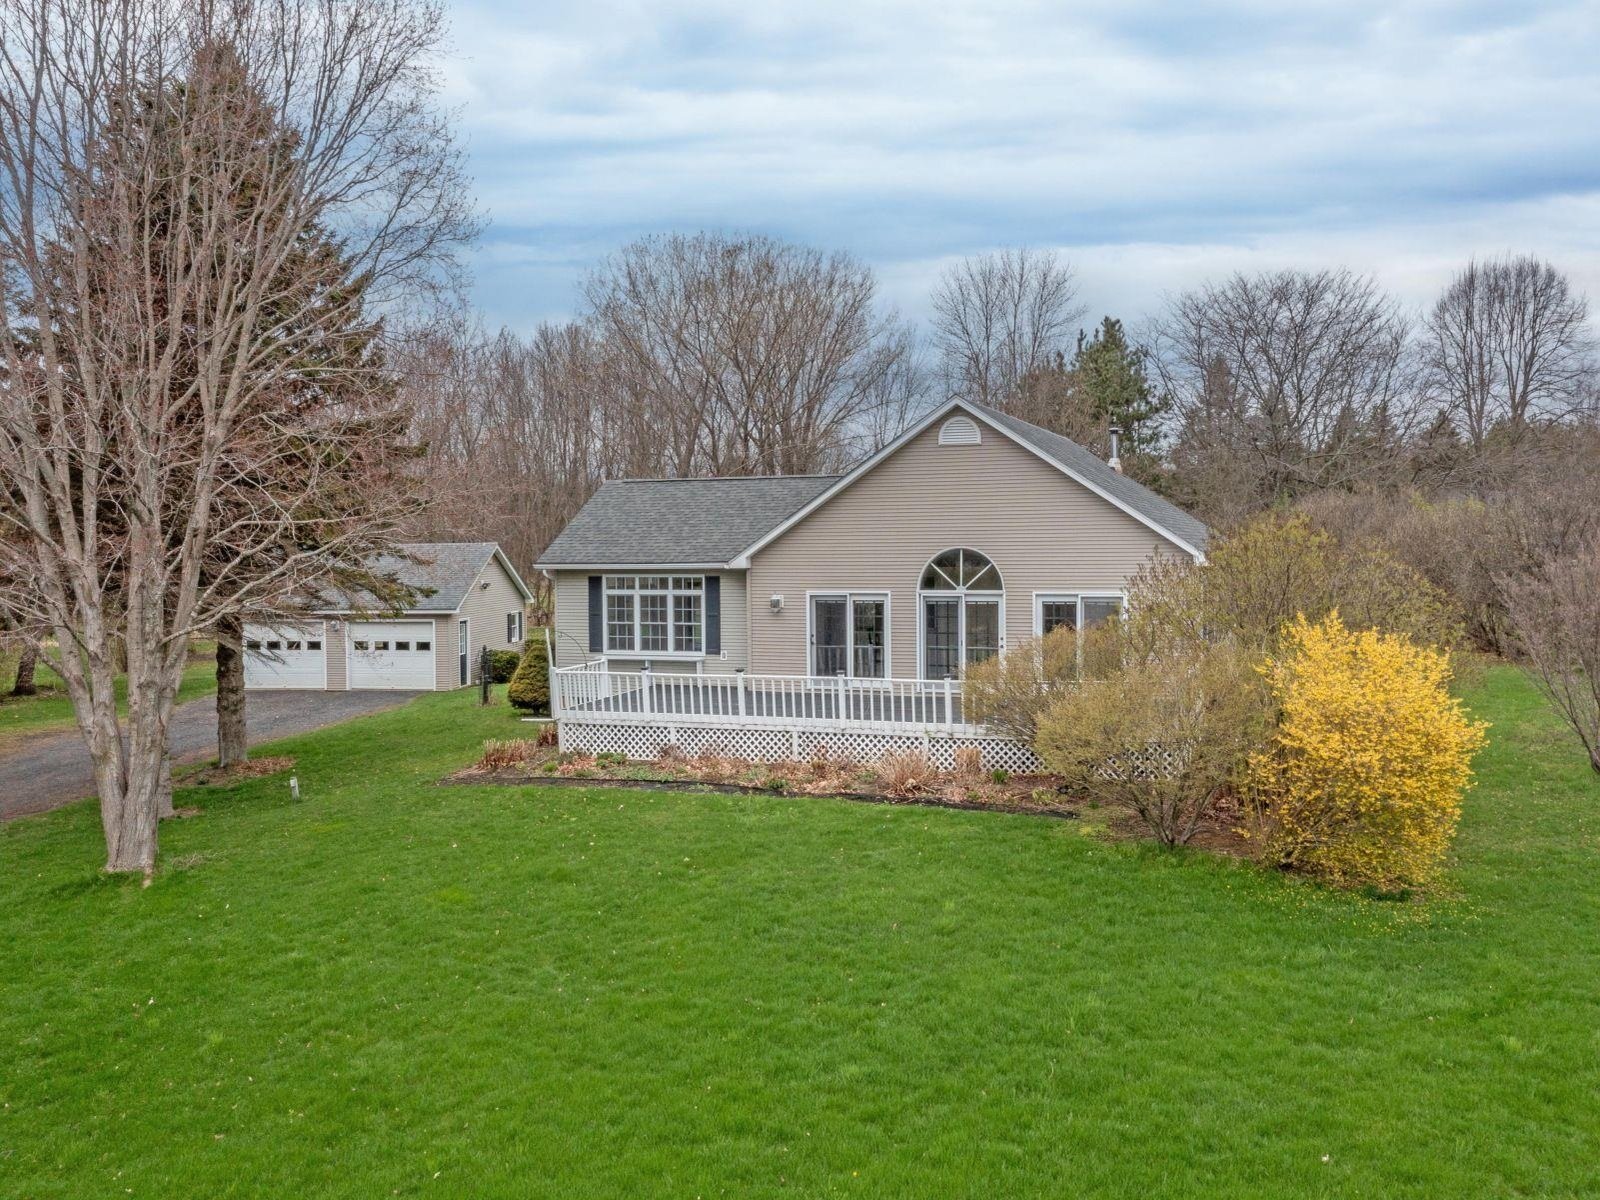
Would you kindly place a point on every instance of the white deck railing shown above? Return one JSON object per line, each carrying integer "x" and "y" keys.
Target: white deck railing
{"x": 592, "y": 692}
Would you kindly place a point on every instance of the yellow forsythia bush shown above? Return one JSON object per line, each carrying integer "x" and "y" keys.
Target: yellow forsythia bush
{"x": 1363, "y": 779}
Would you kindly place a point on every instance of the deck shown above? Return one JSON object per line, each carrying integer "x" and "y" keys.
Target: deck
{"x": 590, "y": 692}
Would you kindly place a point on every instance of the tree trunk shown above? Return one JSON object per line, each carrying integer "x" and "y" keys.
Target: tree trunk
{"x": 164, "y": 806}
{"x": 130, "y": 816}
{"x": 232, "y": 746}
{"x": 126, "y": 785}
{"x": 26, "y": 662}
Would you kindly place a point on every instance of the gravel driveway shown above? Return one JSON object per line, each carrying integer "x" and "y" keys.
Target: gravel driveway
{"x": 49, "y": 770}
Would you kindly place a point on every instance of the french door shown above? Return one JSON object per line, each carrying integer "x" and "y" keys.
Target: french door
{"x": 958, "y": 631}
{"x": 850, "y": 635}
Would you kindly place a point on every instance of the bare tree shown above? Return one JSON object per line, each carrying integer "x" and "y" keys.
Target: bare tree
{"x": 745, "y": 356}
{"x": 145, "y": 350}
{"x": 519, "y": 432}
{"x": 1556, "y": 621}
{"x": 697, "y": 355}
{"x": 1507, "y": 343}
{"x": 999, "y": 317}
{"x": 1285, "y": 383}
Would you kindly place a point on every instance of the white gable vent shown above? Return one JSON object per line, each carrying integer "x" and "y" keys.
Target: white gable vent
{"x": 959, "y": 431}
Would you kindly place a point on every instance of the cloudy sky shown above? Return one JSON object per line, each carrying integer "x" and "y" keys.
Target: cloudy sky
{"x": 1156, "y": 145}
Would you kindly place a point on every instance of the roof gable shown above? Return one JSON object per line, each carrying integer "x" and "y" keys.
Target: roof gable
{"x": 1097, "y": 475}
{"x": 1160, "y": 515}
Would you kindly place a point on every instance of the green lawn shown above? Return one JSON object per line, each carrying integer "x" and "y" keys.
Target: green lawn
{"x": 51, "y": 711}
{"x": 392, "y": 988}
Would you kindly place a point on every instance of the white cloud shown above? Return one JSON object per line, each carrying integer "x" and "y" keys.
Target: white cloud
{"x": 1157, "y": 145}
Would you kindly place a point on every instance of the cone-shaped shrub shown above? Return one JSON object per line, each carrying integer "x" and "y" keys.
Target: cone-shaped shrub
{"x": 530, "y": 686}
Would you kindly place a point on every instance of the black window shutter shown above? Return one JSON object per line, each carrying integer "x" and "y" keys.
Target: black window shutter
{"x": 713, "y": 614}
{"x": 597, "y": 628}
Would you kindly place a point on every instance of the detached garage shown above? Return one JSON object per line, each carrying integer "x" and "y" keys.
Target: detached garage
{"x": 470, "y": 597}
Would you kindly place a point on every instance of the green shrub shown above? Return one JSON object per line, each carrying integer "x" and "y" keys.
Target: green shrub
{"x": 530, "y": 684}
{"x": 1166, "y": 737}
{"x": 1010, "y": 692}
{"x": 503, "y": 665}
{"x": 1258, "y": 578}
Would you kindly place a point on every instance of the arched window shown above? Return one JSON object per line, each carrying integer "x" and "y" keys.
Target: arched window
{"x": 962, "y": 617}
{"x": 961, "y": 571}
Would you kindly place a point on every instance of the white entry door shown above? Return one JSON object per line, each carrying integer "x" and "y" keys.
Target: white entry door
{"x": 392, "y": 655}
{"x": 285, "y": 656}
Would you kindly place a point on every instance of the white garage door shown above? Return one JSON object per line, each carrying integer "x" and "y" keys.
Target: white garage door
{"x": 391, "y": 654}
{"x": 285, "y": 656}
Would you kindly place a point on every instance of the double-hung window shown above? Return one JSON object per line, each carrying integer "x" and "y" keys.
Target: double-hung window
{"x": 655, "y": 614}
{"x": 513, "y": 627}
{"x": 1052, "y": 611}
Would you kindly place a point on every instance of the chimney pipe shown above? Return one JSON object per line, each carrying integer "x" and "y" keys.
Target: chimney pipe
{"x": 1115, "y": 461}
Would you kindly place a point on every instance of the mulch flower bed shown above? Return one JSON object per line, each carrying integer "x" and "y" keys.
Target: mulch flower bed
{"x": 897, "y": 779}
{"x": 906, "y": 778}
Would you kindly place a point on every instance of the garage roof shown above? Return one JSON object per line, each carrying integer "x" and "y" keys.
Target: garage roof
{"x": 441, "y": 573}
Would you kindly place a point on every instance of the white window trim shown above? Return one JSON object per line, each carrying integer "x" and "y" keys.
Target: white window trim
{"x": 849, "y": 595}
{"x": 462, "y": 624}
{"x": 961, "y": 629}
{"x": 1076, "y": 594}
{"x": 960, "y": 594}
{"x": 993, "y": 566}
{"x": 519, "y": 638}
{"x": 672, "y": 592}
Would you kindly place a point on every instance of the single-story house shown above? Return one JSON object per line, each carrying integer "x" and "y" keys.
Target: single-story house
{"x": 468, "y": 596}
{"x": 970, "y": 532}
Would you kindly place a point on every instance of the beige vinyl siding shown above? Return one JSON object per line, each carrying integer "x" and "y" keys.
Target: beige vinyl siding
{"x": 1044, "y": 531}
{"x": 445, "y": 674}
{"x": 570, "y": 631}
{"x": 571, "y": 636}
{"x": 485, "y": 609}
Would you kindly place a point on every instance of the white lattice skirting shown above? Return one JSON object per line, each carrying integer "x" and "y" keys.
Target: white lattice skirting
{"x": 640, "y": 741}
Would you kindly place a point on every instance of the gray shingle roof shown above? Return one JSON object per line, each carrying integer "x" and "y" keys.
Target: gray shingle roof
{"x": 650, "y": 522}
{"x": 1090, "y": 467}
{"x": 443, "y": 574}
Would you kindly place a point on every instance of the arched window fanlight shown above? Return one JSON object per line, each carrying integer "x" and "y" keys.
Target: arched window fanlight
{"x": 961, "y": 570}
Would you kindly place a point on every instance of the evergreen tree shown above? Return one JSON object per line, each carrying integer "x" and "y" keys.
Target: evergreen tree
{"x": 530, "y": 684}
{"x": 1118, "y": 391}
{"x": 1105, "y": 383}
